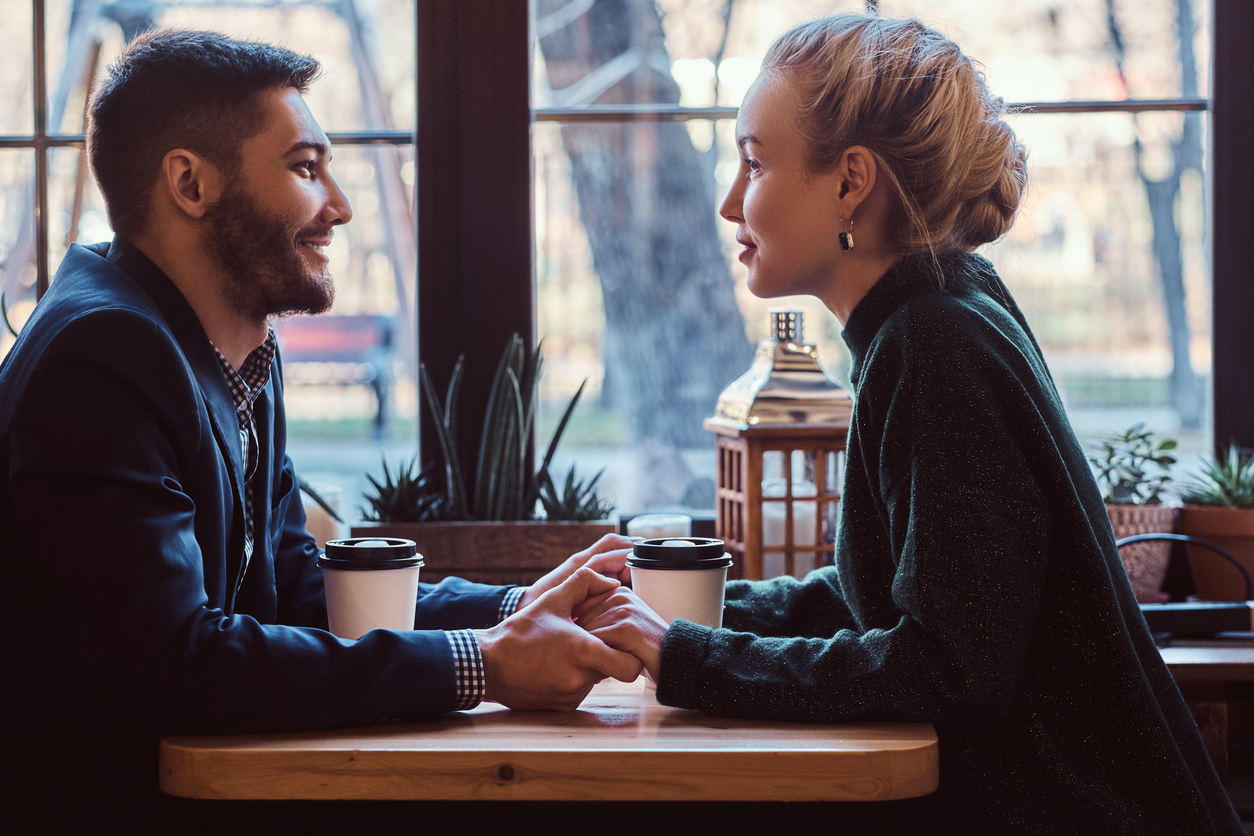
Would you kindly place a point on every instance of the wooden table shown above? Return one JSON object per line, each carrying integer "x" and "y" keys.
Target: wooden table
{"x": 621, "y": 745}
{"x": 1203, "y": 668}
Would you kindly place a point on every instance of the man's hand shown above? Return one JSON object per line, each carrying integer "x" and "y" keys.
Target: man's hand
{"x": 539, "y": 657}
{"x": 608, "y": 556}
{"x": 620, "y": 619}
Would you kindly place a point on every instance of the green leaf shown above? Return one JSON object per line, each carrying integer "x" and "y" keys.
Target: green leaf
{"x": 487, "y": 470}
{"x": 452, "y": 471}
{"x": 4, "y": 314}
{"x": 1122, "y": 468}
{"x": 1225, "y": 481}
{"x": 405, "y": 498}
{"x": 317, "y": 497}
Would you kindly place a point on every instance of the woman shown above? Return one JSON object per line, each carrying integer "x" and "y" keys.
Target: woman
{"x": 977, "y": 585}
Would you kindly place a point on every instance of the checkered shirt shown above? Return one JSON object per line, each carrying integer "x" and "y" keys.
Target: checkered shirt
{"x": 245, "y": 385}
{"x": 468, "y": 662}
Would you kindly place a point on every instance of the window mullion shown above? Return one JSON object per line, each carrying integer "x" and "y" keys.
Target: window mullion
{"x": 40, "y": 101}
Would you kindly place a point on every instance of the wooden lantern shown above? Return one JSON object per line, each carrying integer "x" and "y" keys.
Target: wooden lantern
{"x": 780, "y": 433}
{"x": 803, "y": 533}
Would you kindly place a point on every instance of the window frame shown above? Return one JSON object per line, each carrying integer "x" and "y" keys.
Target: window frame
{"x": 476, "y": 278}
{"x": 1231, "y": 217}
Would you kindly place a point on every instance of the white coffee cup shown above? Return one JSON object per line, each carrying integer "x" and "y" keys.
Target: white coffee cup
{"x": 659, "y": 525}
{"x": 681, "y": 577}
{"x": 371, "y": 583}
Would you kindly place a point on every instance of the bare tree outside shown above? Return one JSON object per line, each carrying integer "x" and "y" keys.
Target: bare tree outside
{"x": 1162, "y": 194}
{"x": 674, "y": 335}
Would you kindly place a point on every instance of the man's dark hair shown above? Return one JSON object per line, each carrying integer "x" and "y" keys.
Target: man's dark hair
{"x": 180, "y": 89}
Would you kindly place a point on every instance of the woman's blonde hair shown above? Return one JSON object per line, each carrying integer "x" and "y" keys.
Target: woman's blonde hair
{"x": 922, "y": 107}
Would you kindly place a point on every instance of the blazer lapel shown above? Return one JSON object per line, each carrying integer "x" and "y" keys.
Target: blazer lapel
{"x": 193, "y": 341}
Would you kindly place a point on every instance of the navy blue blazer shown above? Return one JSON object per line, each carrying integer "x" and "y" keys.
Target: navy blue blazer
{"x": 121, "y": 537}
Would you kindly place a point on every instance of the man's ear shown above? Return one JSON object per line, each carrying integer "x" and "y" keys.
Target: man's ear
{"x": 191, "y": 182}
{"x": 856, "y": 172}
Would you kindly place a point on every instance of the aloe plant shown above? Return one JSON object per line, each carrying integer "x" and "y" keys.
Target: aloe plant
{"x": 504, "y": 489}
{"x": 1225, "y": 482}
{"x": 405, "y": 498}
{"x": 577, "y": 501}
{"x": 313, "y": 494}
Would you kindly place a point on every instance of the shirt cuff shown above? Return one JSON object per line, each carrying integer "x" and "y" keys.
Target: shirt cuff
{"x": 467, "y": 668}
{"x": 509, "y": 604}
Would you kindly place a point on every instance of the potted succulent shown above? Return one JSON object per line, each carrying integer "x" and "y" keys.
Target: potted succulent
{"x": 1133, "y": 472}
{"x": 496, "y": 535}
{"x": 1219, "y": 507}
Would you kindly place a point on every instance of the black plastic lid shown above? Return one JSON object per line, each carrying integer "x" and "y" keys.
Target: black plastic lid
{"x": 383, "y": 553}
{"x": 682, "y": 553}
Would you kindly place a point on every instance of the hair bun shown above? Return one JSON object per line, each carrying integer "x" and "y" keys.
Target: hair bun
{"x": 923, "y": 108}
{"x": 991, "y": 212}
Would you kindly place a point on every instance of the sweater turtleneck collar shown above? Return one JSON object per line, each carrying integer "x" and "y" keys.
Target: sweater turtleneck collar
{"x": 912, "y": 276}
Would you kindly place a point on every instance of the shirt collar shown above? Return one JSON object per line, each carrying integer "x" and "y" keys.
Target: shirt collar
{"x": 253, "y": 375}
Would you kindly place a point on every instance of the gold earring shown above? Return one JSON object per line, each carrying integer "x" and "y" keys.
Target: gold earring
{"x": 846, "y": 236}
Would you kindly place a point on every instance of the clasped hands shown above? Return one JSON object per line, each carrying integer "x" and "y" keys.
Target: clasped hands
{"x": 574, "y": 627}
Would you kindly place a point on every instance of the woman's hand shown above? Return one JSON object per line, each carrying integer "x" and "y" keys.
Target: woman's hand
{"x": 607, "y": 556}
{"x": 539, "y": 658}
{"x": 624, "y": 622}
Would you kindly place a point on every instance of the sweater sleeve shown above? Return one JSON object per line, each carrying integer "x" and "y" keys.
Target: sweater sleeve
{"x": 786, "y": 606}
{"x": 950, "y": 561}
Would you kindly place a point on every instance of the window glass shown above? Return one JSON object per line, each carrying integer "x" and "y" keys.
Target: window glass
{"x": 663, "y": 52}
{"x": 1048, "y": 51}
{"x": 16, "y": 85}
{"x": 627, "y": 233}
{"x": 1083, "y": 263}
{"x": 17, "y": 166}
{"x": 366, "y": 48}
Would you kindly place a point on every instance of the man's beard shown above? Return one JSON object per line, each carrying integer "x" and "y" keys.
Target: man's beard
{"x": 266, "y": 273}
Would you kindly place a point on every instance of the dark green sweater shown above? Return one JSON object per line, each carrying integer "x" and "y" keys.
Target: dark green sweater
{"x": 976, "y": 586}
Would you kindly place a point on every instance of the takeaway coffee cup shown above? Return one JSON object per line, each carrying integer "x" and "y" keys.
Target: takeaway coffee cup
{"x": 681, "y": 577}
{"x": 371, "y": 583}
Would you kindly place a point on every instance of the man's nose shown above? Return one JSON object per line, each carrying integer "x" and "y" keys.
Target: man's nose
{"x": 337, "y": 210}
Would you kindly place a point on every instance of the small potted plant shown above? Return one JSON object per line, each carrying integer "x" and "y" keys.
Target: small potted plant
{"x": 1133, "y": 472}
{"x": 494, "y": 536}
{"x": 1219, "y": 507}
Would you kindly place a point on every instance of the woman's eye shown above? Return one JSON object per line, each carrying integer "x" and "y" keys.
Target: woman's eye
{"x": 752, "y": 164}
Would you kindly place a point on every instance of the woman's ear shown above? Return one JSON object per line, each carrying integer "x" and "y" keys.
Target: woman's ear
{"x": 856, "y": 174}
{"x": 191, "y": 182}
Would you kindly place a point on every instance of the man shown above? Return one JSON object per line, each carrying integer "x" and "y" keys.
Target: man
{"x": 155, "y": 574}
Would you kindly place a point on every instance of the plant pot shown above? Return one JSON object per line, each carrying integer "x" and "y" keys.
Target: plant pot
{"x": 1145, "y": 563}
{"x": 1229, "y": 528}
{"x": 491, "y": 552}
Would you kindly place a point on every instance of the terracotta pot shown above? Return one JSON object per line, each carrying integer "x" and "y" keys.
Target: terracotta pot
{"x": 491, "y": 552}
{"x": 1229, "y": 528}
{"x": 1145, "y": 563}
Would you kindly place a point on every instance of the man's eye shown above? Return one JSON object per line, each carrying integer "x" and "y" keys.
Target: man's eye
{"x": 308, "y": 165}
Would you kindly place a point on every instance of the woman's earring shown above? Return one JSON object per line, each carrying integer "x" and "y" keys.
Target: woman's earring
{"x": 846, "y": 236}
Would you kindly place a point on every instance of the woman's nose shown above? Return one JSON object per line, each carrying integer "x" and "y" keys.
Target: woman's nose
{"x": 731, "y": 206}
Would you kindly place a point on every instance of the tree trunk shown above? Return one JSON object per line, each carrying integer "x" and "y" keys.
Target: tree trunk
{"x": 674, "y": 335}
{"x": 1186, "y": 396}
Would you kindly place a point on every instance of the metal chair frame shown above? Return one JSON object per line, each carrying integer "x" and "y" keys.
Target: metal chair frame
{"x": 1196, "y": 541}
